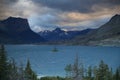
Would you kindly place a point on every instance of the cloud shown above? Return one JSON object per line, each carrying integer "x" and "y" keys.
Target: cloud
{"x": 5, "y": 6}
{"x": 83, "y": 6}
{"x": 67, "y": 14}
{"x": 17, "y": 8}
{"x": 37, "y": 28}
{"x": 8, "y": 1}
{"x": 72, "y": 20}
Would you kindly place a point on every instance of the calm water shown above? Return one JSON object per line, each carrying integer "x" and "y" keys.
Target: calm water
{"x": 47, "y": 63}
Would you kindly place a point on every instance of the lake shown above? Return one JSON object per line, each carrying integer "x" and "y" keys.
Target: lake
{"x": 45, "y": 62}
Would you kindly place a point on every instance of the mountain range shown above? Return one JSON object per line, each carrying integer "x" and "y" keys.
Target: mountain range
{"x": 16, "y": 31}
{"x": 107, "y": 34}
{"x": 61, "y": 35}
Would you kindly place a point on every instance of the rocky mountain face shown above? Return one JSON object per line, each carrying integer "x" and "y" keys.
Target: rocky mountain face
{"x": 61, "y": 35}
{"x": 17, "y": 30}
{"x": 107, "y": 34}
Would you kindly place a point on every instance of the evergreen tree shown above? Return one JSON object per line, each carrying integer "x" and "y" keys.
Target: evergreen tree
{"x": 68, "y": 70}
{"x": 30, "y": 75}
{"x": 95, "y": 72}
{"x": 3, "y": 64}
{"x": 21, "y": 72}
{"x": 89, "y": 75}
{"x": 9, "y": 70}
{"x": 12, "y": 70}
{"x": 110, "y": 75}
{"x": 76, "y": 70}
{"x": 117, "y": 74}
{"x": 103, "y": 71}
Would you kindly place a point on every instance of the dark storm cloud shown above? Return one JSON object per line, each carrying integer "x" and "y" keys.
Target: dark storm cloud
{"x": 83, "y": 6}
{"x": 71, "y": 14}
{"x": 8, "y": 1}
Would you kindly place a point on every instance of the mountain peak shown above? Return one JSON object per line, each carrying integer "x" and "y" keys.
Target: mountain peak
{"x": 16, "y": 24}
{"x": 17, "y": 30}
{"x": 117, "y": 15}
{"x": 58, "y": 30}
{"x": 115, "y": 19}
{"x": 15, "y": 18}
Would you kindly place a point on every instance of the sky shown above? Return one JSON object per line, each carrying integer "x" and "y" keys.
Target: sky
{"x": 66, "y": 14}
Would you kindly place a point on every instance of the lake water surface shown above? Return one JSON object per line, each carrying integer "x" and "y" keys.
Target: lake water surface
{"x": 47, "y": 63}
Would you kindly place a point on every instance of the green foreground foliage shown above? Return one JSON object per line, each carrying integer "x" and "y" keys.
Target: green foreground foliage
{"x": 76, "y": 71}
{"x": 9, "y": 70}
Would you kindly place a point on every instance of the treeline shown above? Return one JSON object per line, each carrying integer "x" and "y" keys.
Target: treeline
{"x": 76, "y": 71}
{"x": 10, "y": 71}
{"x": 52, "y": 78}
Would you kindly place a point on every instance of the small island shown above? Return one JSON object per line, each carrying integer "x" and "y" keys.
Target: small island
{"x": 54, "y": 49}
